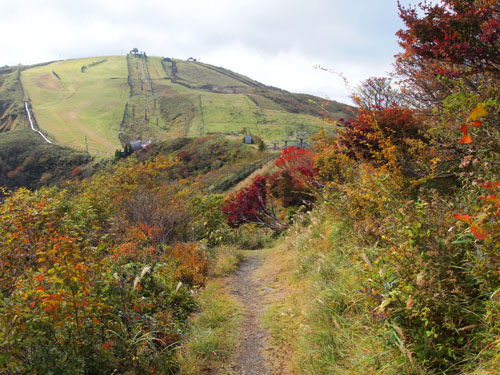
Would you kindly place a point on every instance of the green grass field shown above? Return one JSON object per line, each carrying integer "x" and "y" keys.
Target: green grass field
{"x": 198, "y": 75}
{"x": 233, "y": 112}
{"x": 156, "y": 69}
{"x": 80, "y": 105}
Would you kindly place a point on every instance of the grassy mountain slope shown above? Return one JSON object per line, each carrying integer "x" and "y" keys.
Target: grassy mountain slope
{"x": 103, "y": 102}
{"x": 70, "y": 104}
{"x": 122, "y": 98}
{"x": 204, "y": 76}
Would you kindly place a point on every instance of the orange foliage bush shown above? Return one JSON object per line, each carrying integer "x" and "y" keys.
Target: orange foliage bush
{"x": 191, "y": 263}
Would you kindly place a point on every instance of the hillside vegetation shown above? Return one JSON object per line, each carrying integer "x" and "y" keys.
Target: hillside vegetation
{"x": 105, "y": 102}
{"x": 11, "y": 100}
{"x": 27, "y": 161}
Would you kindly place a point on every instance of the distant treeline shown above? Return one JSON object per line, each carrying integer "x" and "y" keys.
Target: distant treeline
{"x": 94, "y": 63}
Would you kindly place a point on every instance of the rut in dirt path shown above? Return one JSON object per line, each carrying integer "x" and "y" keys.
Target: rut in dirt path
{"x": 246, "y": 286}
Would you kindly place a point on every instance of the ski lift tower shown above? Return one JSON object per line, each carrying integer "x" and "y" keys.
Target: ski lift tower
{"x": 202, "y": 127}
{"x": 301, "y": 136}
{"x": 286, "y": 139}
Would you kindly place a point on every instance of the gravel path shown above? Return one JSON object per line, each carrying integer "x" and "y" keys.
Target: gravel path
{"x": 246, "y": 286}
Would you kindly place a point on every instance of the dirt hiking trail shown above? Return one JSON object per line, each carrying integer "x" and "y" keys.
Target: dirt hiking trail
{"x": 246, "y": 286}
{"x": 254, "y": 285}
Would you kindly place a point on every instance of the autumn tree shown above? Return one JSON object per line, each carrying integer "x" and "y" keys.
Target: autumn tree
{"x": 252, "y": 205}
{"x": 293, "y": 183}
{"x": 445, "y": 42}
{"x": 376, "y": 92}
{"x": 463, "y": 34}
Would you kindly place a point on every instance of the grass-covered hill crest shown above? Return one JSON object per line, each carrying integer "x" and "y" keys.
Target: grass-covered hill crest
{"x": 100, "y": 104}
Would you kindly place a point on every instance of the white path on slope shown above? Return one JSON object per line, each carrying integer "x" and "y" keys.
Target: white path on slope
{"x": 31, "y": 123}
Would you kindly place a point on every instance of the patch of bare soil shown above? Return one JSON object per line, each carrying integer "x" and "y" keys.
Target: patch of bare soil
{"x": 48, "y": 81}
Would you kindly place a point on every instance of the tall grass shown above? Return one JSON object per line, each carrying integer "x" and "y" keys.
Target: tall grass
{"x": 215, "y": 328}
{"x": 214, "y": 332}
{"x": 326, "y": 321}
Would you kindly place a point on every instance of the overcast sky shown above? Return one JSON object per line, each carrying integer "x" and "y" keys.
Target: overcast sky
{"x": 277, "y": 42}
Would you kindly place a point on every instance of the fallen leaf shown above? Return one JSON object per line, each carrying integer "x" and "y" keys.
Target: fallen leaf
{"x": 477, "y": 112}
{"x": 466, "y": 139}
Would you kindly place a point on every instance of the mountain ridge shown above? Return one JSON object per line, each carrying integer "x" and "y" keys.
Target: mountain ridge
{"x": 101, "y": 103}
